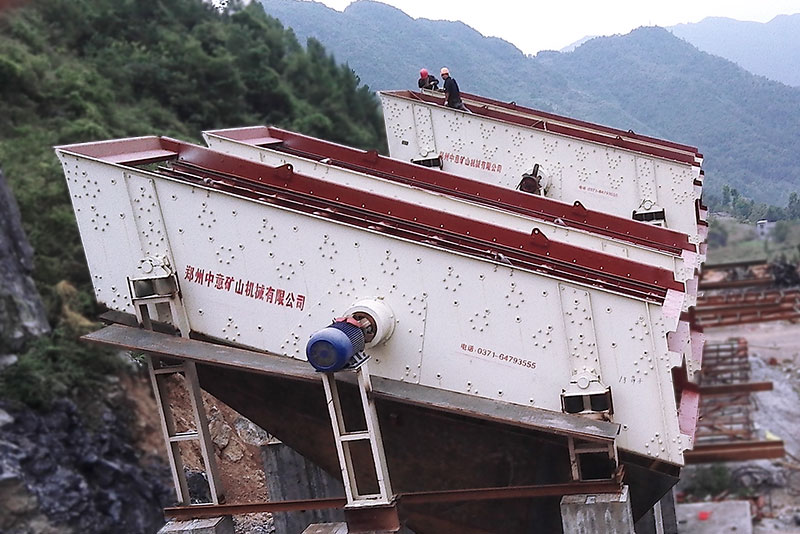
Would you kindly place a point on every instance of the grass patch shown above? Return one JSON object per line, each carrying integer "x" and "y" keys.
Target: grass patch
{"x": 59, "y": 365}
{"x": 730, "y": 240}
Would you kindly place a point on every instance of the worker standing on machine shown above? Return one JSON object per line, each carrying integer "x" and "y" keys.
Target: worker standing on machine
{"x": 427, "y": 81}
{"x": 452, "y": 95}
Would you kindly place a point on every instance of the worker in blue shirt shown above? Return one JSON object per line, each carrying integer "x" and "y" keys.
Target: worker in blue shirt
{"x": 452, "y": 96}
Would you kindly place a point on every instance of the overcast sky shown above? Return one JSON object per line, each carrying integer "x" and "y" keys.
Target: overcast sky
{"x": 554, "y": 24}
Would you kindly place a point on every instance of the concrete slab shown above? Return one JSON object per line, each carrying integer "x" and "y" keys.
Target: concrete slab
{"x": 607, "y": 513}
{"x": 326, "y": 528}
{"x": 213, "y": 525}
{"x": 714, "y": 518}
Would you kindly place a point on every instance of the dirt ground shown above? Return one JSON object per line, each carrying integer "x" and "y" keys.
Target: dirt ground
{"x": 237, "y": 445}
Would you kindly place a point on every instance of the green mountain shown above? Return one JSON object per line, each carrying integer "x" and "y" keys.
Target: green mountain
{"x": 649, "y": 81}
{"x": 387, "y": 48}
{"x": 747, "y": 127}
{"x": 771, "y": 49}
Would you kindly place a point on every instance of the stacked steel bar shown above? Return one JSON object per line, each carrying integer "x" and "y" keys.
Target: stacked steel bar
{"x": 745, "y": 292}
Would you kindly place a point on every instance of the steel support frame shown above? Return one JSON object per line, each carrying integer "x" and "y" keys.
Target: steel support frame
{"x": 172, "y": 438}
{"x": 725, "y": 429}
{"x": 160, "y": 300}
{"x": 747, "y": 307}
{"x": 343, "y": 437}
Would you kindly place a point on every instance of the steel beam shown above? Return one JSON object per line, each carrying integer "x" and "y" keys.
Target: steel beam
{"x": 733, "y": 264}
{"x": 518, "y": 492}
{"x": 201, "y": 511}
{"x": 735, "y": 452}
{"x": 727, "y": 389}
{"x": 736, "y": 284}
{"x": 427, "y": 497}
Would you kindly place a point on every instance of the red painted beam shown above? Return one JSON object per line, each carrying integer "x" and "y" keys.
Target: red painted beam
{"x": 538, "y": 207}
{"x": 564, "y": 127}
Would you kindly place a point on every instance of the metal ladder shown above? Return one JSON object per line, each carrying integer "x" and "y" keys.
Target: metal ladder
{"x": 344, "y": 438}
{"x": 159, "y": 372}
{"x": 159, "y": 298}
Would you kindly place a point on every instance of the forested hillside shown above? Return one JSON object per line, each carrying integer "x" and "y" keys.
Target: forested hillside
{"x": 73, "y": 71}
{"x": 80, "y": 70}
{"x": 649, "y": 81}
{"x": 771, "y": 49}
{"x": 747, "y": 127}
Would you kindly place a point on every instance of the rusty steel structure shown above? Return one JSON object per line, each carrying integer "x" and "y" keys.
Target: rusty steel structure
{"x": 725, "y": 429}
{"x": 736, "y": 274}
{"x": 743, "y": 307}
{"x": 744, "y": 292}
{"x": 421, "y": 497}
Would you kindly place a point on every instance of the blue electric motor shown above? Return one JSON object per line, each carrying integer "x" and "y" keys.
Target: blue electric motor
{"x": 331, "y": 348}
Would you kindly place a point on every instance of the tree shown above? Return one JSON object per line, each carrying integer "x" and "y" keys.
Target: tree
{"x": 717, "y": 234}
{"x": 793, "y": 207}
{"x": 780, "y": 232}
{"x": 726, "y": 195}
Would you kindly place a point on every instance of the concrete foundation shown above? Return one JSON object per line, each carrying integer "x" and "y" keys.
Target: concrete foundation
{"x": 214, "y": 525}
{"x": 326, "y": 528}
{"x": 603, "y": 513}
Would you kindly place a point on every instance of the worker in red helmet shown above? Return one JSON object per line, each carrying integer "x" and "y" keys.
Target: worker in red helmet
{"x": 452, "y": 95}
{"x": 427, "y": 81}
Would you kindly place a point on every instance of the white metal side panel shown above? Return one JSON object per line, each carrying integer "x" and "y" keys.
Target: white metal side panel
{"x": 638, "y": 373}
{"x": 109, "y": 226}
{"x": 261, "y": 276}
{"x": 603, "y": 178}
{"x": 423, "y": 125}
{"x": 437, "y": 201}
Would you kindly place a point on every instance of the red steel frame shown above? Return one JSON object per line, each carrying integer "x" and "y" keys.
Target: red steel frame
{"x": 513, "y": 106}
{"x": 281, "y": 185}
{"x": 370, "y": 162}
{"x": 613, "y": 485}
{"x": 738, "y": 274}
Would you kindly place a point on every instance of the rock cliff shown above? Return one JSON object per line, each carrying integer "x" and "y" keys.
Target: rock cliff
{"x": 63, "y": 471}
{"x": 22, "y": 315}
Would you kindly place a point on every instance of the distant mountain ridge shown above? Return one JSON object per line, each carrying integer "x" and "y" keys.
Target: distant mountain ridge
{"x": 649, "y": 81}
{"x": 770, "y": 49}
